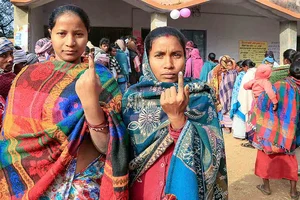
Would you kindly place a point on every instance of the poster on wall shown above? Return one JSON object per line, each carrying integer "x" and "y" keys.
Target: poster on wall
{"x": 275, "y": 47}
{"x": 21, "y": 37}
{"x": 254, "y": 50}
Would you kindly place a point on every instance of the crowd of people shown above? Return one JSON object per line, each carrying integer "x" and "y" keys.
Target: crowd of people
{"x": 139, "y": 120}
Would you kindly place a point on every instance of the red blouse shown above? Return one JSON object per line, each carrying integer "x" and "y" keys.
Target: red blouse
{"x": 151, "y": 185}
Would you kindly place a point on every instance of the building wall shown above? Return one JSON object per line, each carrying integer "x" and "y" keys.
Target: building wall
{"x": 223, "y": 30}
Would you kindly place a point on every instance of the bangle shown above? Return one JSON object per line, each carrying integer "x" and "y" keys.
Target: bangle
{"x": 97, "y": 128}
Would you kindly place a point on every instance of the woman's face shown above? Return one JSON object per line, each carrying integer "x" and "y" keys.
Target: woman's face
{"x": 286, "y": 61}
{"x": 166, "y": 58}
{"x": 69, "y": 37}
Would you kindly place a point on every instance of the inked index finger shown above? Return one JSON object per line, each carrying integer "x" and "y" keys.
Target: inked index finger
{"x": 91, "y": 61}
{"x": 180, "y": 83}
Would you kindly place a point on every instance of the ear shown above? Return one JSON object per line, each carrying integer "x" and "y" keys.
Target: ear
{"x": 49, "y": 30}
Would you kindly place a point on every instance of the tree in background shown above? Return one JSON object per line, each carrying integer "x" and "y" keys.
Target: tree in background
{"x": 6, "y": 19}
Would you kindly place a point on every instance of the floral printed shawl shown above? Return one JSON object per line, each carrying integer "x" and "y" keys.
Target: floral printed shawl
{"x": 44, "y": 126}
{"x": 199, "y": 157}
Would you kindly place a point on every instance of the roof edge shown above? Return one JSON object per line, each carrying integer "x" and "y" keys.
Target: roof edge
{"x": 279, "y": 8}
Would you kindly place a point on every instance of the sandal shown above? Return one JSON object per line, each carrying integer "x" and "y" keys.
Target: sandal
{"x": 263, "y": 190}
{"x": 248, "y": 144}
{"x": 295, "y": 197}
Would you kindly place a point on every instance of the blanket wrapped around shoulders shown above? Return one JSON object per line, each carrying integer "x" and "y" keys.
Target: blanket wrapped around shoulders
{"x": 278, "y": 131}
{"x": 44, "y": 126}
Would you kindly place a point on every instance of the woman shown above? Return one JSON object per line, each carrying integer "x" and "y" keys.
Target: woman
{"x": 236, "y": 88}
{"x": 173, "y": 131}
{"x": 56, "y": 136}
{"x": 222, "y": 80}
{"x": 281, "y": 72}
{"x": 277, "y": 133}
{"x": 242, "y": 100}
{"x": 122, "y": 60}
{"x": 135, "y": 63}
{"x": 193, "y": 64}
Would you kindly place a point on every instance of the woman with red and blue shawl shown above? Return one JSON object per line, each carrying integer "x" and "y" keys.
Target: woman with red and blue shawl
{"x": 177, "y": 147}
{"x": 62, "y": 135}
{"x": 277, "y": 133}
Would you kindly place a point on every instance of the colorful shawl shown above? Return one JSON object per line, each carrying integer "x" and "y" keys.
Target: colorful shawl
{"x": 235, "y": 93}
{"x": 2, "y": 107}
{"x": 214, "y": 79}
{"x": 226, "y": 88}
{"x": 44, "y": 126}
{"x": 199, "y": 152}
{"x": 279, "y": 131}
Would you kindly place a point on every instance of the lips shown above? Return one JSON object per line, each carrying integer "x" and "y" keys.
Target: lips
{"x": 169, "y": 75}
{"x": 70, "y": 52}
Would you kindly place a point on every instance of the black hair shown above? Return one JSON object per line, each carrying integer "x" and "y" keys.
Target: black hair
{"x": 248, "y": 63}
{"x": 104, "y": 41}
{"x": 17, "y": 48}
{"x": 113, "y": 46}
{"x": 296, "y": 57}
{"x": 87, "y": 49}
{"x": 69, "y": 9}
{"x": 164, "y": 31}
{"x": 269, "y": 54}
{"x": 239, "y": 63}
{"x": 295, "y": 69}
{"x": 212, "y": 56}
{"x": 289, "y": 54}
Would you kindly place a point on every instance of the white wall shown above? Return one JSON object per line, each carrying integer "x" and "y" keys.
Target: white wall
{"x": 223, "y": 30}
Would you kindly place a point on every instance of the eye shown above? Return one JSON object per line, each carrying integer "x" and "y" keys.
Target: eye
{"x": 159, "y": 55}
{"x": 61, "y": 33}
{"x": 177, "y": 55}
{"x": 79, "y": 34}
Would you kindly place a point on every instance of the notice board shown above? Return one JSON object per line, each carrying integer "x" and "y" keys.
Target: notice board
{"x": 254, "y": 50}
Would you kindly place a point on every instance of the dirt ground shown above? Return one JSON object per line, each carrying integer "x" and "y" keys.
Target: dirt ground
{"x": 241, "y": 179}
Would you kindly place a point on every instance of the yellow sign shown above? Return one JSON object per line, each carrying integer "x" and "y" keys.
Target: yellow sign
{"x": 253, "y": 50}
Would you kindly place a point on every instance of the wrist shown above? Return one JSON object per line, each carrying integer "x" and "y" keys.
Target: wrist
{"x": 178, "y": 121}
{"x": 95, "y": 115}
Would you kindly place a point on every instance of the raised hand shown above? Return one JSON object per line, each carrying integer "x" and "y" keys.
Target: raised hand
{"x": 174, "y": 103}
{"x": 88, "y": 86}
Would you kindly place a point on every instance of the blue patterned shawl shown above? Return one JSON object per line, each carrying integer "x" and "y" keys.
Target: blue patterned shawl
{"x": 235, "y": 93}
{"x": 198, "y": 159}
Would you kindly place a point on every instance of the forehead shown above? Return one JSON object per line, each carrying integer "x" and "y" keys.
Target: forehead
{"x": 70, "y": 20}
{"x": 6, "y": 52}
{"x": 164, "y": 43}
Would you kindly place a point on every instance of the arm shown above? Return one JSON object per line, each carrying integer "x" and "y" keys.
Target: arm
{"x": 88, "y": 88}
{"x": 268, "y": 88}
{"x": 248, "y": 85}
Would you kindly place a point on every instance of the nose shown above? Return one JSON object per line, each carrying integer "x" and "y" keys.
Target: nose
{"x": 10, "y": 58}
{"x": 168, "y": 63}
{"x": 70, "y": 41}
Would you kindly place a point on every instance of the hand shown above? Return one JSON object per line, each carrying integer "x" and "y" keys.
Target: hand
{"x": 88, "y": 86}
{"x": 275, "y": 107}
{"x": 174, "y": 103}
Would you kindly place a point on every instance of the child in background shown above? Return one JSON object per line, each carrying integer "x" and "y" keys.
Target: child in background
{"x": 113, "y": 65}
{"x": 262, "y": 83}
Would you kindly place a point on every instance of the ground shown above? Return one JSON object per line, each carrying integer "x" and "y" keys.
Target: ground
{"x": 241, "y": 179}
